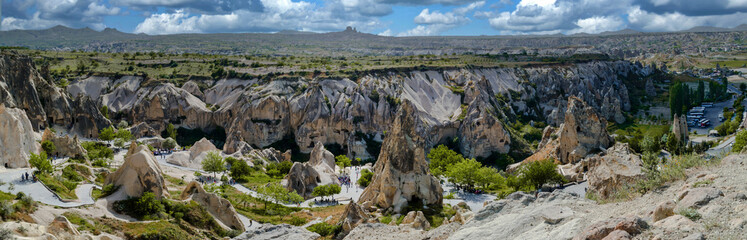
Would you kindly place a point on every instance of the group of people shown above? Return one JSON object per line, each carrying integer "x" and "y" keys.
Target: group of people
{"x": 469, "y": 190}
{"x": 207, "y": 179}
{"x": 162, "y": 152}
{"x": 25, "y": 177}
{"x": 344, "y": 180}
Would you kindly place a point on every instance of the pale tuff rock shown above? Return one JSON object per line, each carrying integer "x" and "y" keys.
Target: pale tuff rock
{"x": 319, "y": 170}
{"x": 698, "y": 197}
{"x": 482, "y": 133}
{"x": 582, "y": 133}
{"x": 610, "y": 229}
{"x": 378, "y": 231}
{"x": 353, "y": 216}
{"x": 650, "y": 88}
{"x": 401, "y": 173}
{"x": 556, "y": 215}
{"x": 282, "y": 231}
{"x": 65, "y": 146}
{"x": 220, "y": 208}
{"x": 16, "y": 138}
{"x": 22, "y": 86}
{"x": 139, "y": 173}
{"x": 416, "y": 220}
{"x": 88, "y": 120}
{"x": 62, "y": 228}
{"x": 193, "y": 158}
{"x": 192, "y": 88}
{"x": 91, "y": 86}
{"x": 663, "y": 210}
{"x": 463, "y": 213}
{"x": 143, "y": 130}
{"x": 679, "y": 128}
{"x": 619, "y": 166}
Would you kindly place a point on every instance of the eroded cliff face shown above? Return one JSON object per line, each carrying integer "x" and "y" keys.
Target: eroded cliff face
{"x": 471, "y": 105}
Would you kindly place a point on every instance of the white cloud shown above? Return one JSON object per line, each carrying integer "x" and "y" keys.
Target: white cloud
{"x": 598, "y": 24}
{"x": 277, "y": 15}
{"x": 676, "y": 21}
{"x": 49, "y": 13}
{"x": 436, "y": 17}
{"x": 546, "y": 16}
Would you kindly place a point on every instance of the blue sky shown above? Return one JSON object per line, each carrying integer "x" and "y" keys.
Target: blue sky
{"x": 384, "y": 17}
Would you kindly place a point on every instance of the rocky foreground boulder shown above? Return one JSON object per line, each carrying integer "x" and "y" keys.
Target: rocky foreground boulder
{"x": 219, "y": 207}
{"x": 401, "y": 173}
{"x": 583, "y": 132}
{"x": 353, "y": 216}
{"x": 618, "y": 167}
{"x": 282, "y": 231}
{"x": 16, "y": 138}
{"x": 555, "y": 215}
{"x": 319, "y": 170}
{"x": 139, "y": 173}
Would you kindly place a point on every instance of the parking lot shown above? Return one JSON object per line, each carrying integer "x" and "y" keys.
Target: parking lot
{"x": 711, "y": 114}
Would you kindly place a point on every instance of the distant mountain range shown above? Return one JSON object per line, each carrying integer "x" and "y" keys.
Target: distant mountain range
{"x": 348, "y": 42}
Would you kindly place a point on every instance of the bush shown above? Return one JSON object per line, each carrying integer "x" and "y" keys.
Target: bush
{"x": 6, "y": 210}
{"x": 690, "y": 213}
{"x": 48, "y": 146}
{"x": 239, "y": 168}
{"x": 386, "y": 219}
{"x": 71, "y": 174}
{"x": 146, "y": 207}
{"x": 97, "y": 150}
{"x": 169, "y": 143}
{"x": 325, "y": 229}
{"x": 41, "y": 162}
{"x": 541, "y": 172}
{"x": 108, "y": 190}
{"x": 739, "y": 142}
{"x": 366, "y": 177}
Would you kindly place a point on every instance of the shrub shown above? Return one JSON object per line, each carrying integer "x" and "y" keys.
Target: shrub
{"x": 41, "y": 162}
{"x": 143, "y": 208}
{"x": 71, "y": 174}
{"x": 366, "y": 177}
{"x": 108, "y": 190}
{"x": 239, "y": 168}
{"x": 541, "y": 172}
{"x": 97, "y": 150}
{"x": 297, "y": 221}
{"x": 169, "y": 143}
{"x": 690, "y": 213}
{"x": 48, "y": 146}
{"x": 325, "y": 229}
{"x": 386, "y": 219}
{"x": 6, "y": 210}
{"x": 449, "y": 196}
{"x": 739, "y": 142}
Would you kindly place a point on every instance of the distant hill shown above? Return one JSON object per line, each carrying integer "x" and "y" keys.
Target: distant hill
{"x": 343, "y": 43}
{"x": 742, "y": 27}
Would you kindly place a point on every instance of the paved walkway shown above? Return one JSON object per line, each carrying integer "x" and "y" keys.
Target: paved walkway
{"x": 39, "y": 193}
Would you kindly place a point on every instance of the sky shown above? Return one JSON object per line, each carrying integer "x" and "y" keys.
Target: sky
{"x": 383, "y": 17}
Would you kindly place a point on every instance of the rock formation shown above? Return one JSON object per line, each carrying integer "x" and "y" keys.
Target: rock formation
{"x": 282, "y": 231}
{"x": 353, "y": 216}
{"x": 556, "y": 215}
{"x": 319, "y": 170}
{"x": 679, "y": 128}
{"x": 582, "y": 133}
{"x": 481, "y": 131}
{"x": 65, "y": 146}
{"x": 618, "y": 167}
{"x": 193, "y": 158}
{"x": 139, "y": 173}
{"x": 88, "y": 120}
{"x": 16, "y": 138}
{"x": 143, "y": 130}
{"x": 192, "y": 88}
{"x": 220, "y": 208}
{"x": 401, "y": 173}
{"x": 416, "y": 220}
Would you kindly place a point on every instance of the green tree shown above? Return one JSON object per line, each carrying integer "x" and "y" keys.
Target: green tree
{"x": 441, "y": 158}
{"x": 239, "y": 168}
{"x": 170, "y": 131}
{"x": 41, "y": 162}
{"x": 106, "y": 134}
{"x": 277, "y": 193}
{"x": 147, "y": 204}
{"x": 540, "y": 172}
{"x": 487, "y": 176}
{"x": 320, "y": 191}
{"x": 124, "y": 134}
{"x": 105, "y": 111}
{"x": 740, "y": 141}
{"x": 342, "y": 161}
{"x": 673, "y": 144}
{"x": 122, "y": 124}
{"x": 700, "y": 94}
{"x": 464, "y": 172}
{"x": 48, "y": 146}
{"x": 678, "y": 98}
{"x": 169, "y": 143}
{"x": 650, "y": 144}
{"x": 213, "y": 163}
{"x": 366, "y": 177}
